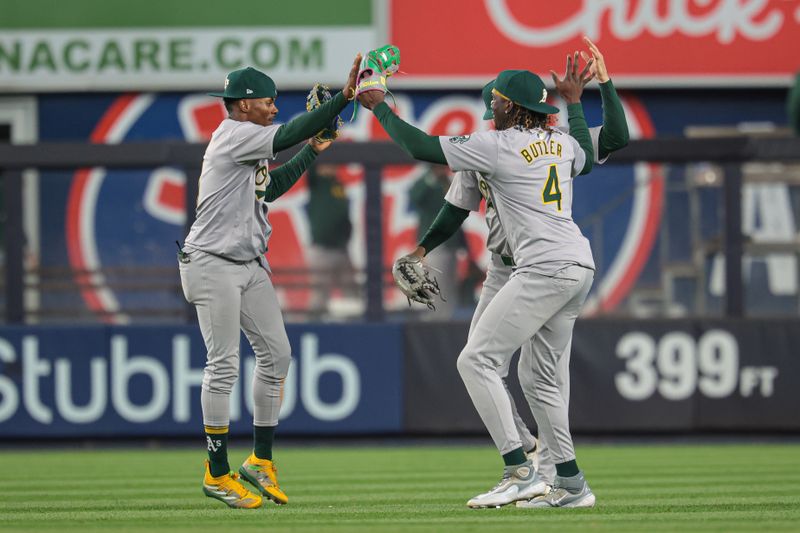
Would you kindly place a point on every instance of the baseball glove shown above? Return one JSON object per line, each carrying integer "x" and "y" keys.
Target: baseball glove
{"x": 375, "y": 67}
{"x": 413, "y": 279}
{"x": 318, "y": 95}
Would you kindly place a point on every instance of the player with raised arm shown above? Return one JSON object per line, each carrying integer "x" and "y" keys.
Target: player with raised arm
{"x": 465, "y": 195}
{"x": 526, "y": 170}
{"x": 224, "y": 272}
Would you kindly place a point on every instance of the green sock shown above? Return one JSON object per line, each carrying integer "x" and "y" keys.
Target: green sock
{"x": 217, "y": 441}
{"x": 515, "y": 457}
{"x": 263, "y": 436}
{"x": 568, "y": 469}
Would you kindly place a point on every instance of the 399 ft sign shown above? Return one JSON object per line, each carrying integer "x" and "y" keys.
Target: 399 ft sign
{"x": 677, "y": 365}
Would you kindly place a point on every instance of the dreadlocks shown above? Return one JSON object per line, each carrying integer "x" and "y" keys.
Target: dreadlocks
{"x": 526, "y": 119}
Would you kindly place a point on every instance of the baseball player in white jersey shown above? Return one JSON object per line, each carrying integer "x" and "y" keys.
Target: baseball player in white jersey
{"x": 526, "y": 170}
{"x": 224, "y": 272}
{"x": 465, "y": 193}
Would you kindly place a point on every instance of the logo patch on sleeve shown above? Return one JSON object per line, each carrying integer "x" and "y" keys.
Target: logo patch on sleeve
{"x": 459, "y": 139}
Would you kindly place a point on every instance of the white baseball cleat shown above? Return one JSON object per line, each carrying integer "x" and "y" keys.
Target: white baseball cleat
{"x": 519, "y": 482}
{"x": 568, "y": 492}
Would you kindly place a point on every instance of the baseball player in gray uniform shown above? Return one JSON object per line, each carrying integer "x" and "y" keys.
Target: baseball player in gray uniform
{"x": 224, "y": 272}
{"x": 465, "y": 195}
{"x": 526, "y": 171}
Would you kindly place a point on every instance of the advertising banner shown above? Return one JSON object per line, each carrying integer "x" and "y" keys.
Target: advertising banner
{"x": 624, "y": 210}
{"x": 665, "y": 375}
{"x": 631, "y": 376}
{"x": 646, "y": 43}
{"x": 145, "y": 381}
{"x": 174, "y": 44}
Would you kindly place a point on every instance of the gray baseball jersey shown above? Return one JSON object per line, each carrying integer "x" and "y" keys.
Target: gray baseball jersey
{"x": 231, "y": 211}
{"x": 527, "y": 176}
{"x": 224, "y": 273}
{"x": 465, "y": 192}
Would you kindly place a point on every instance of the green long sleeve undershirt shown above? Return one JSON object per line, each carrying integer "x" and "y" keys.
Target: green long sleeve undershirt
{"x": 580, "y": 131}
{"x": 793, "y": 105}
{"x": 286, "y": 175}
{"x": 614, "y": 134}
{"x": 308, "y": 124}
{"x": 415, "y": 142}
{"x": 444, "y": 226}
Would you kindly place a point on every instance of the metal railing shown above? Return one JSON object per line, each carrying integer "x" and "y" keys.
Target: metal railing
{"x": 728, "y": 152}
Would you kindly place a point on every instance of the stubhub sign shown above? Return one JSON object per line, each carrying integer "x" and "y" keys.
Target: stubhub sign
{"x": 107, "y": 381}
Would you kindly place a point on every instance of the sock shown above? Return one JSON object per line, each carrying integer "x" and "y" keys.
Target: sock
{"x": 568, "y": 469}
{"x": 262, "y": 441}
{"x": 217, "y": 441}
{"x": 514, "y": 457}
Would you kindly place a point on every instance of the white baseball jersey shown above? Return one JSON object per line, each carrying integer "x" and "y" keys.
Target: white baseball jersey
{"x": 465, "y": 192}
{"x": 231, "y": 211}
{"x": 527, "y": 177}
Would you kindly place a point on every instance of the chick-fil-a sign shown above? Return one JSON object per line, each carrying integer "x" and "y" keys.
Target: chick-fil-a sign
{"x": 645, "y": 42}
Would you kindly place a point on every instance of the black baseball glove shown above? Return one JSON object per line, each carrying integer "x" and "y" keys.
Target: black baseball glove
{"x": 318, "y": 95}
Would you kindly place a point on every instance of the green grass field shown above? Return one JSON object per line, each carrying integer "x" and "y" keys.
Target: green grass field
{"x": 715, "y": 487}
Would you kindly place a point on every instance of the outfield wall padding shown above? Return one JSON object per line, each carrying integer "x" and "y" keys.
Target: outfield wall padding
{"x": 648, "y": 376}
{"x": 633, "y": 376}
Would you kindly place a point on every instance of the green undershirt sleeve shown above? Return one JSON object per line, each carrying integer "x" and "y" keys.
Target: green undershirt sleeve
{"x": 286, "y": 175}
{"x": 580, "y": 131}
{"x": 444, "y": 226}
{"x": 794, "y": 106}
{"x": 308, "y": 124}
{"x": 614, "y": 133}
{"x": 415, "y": 142}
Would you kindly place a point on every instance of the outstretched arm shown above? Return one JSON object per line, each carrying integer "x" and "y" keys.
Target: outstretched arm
{"x": 308, "y": 124}
{"x": 414, "y": 141}
{"x": 571, "y": 89}
{"x": 286, "y": 175}
{"x": 443, "y": 227}
{"x": 614, "y": 133}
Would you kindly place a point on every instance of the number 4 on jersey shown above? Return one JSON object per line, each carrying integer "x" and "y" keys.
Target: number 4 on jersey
{"x": 551, "y": 191}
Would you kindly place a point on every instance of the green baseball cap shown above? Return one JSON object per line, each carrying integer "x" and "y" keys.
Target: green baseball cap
{"x": 486, "y": 94}
{"x": 248, "y": 83}
{"x": 525, "y": 89}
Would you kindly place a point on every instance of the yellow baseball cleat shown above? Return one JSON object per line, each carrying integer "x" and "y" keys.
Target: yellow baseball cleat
{"x": 230, "y": 491}
{"x": 264, "y": 476}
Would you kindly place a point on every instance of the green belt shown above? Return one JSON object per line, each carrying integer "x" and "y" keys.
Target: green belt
{"x": 507, "y": 261}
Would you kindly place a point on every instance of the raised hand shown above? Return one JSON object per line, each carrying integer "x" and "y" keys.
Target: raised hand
{"x": 571, "y": 87}
{"x": 349, "y": 89}
{"x": 599, "y": 66}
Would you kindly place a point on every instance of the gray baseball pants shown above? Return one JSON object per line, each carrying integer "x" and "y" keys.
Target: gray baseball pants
{"x": 496, "y": 276}
{"x": 533, "y": 308}
{"x": 230, "y": 296}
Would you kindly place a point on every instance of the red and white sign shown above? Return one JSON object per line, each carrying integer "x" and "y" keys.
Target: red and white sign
{"x": 448, "y": 43}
